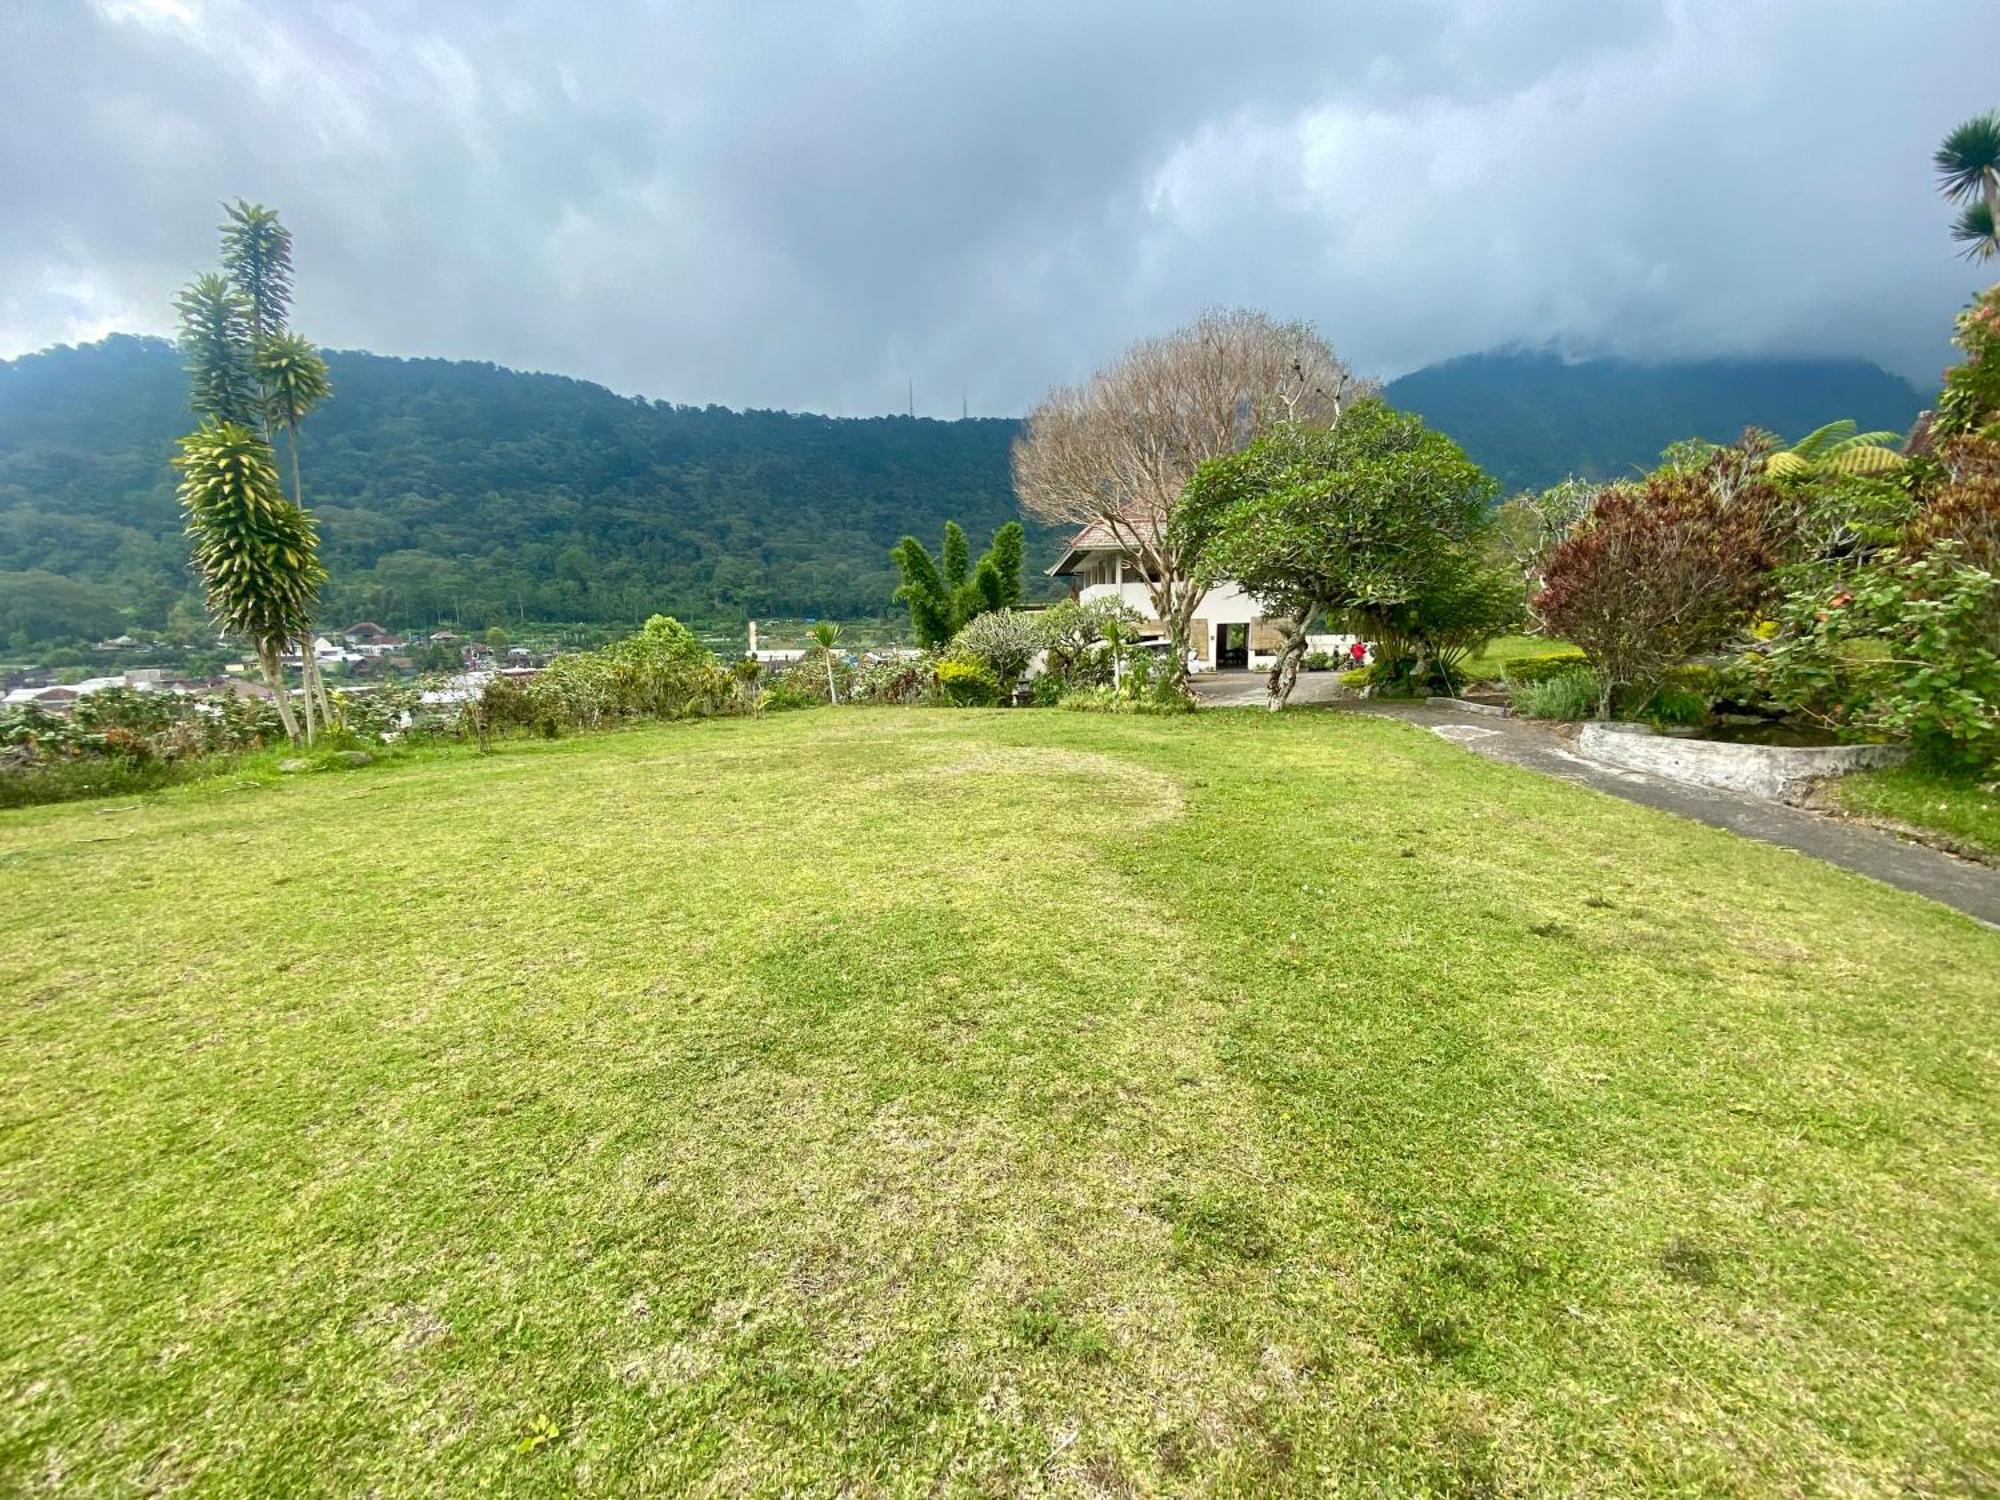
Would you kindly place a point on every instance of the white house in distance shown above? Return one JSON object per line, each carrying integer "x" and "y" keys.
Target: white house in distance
{"x": 1230, "y": 631}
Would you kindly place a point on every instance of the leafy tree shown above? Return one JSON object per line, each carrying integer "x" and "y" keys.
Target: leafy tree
{"x": 1657, "y": 573}
{"x": 1116, "y": 455}
{"x": 246, "y": 369}
{"x": 1968, "y": 168}
{"x": 496, "y": 640}
{"x": 1361, "y": 519}
{"x": 257, "y": 258}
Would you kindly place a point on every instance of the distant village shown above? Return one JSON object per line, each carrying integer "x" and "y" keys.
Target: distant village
{"x": 360, "y": 659}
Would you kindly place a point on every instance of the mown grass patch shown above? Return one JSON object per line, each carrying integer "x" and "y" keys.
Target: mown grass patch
{"x": 894, "y": 1101}
{"x": 1962, "y": 812}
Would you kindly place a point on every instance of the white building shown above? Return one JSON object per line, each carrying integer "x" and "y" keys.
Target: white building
{"x": 1230, "y": 632}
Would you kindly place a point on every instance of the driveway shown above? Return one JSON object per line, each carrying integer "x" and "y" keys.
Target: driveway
{"x": 1246, "y": 689}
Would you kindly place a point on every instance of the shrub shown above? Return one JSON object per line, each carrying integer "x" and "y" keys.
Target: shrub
{"x": 1541, "y": 668}
{"x": 967, "y": 683}
{"x": 1048, "y": 690}
{"x": 1004, "y": 641}
{"x": 1908, "y": 649}
{"x": 1074, "y": 633}
{"x": 1318, "y": 661}
{"x": 896, "y": 679}
{"x": 1656, "y": 575}
{"x": 1569, "y": 695}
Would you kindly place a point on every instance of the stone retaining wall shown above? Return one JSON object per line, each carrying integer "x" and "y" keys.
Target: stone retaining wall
{"x": 1778, "y": 773}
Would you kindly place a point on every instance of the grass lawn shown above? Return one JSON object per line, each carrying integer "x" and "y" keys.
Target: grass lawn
{"x": 1487, "y": 665}
{"x": 864, "y": 1101}
{"x": 1960, "y": 808}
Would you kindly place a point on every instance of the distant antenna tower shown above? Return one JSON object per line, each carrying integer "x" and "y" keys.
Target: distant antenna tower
{"x": 964, "y": 404}
{"x": 913, "y": 396}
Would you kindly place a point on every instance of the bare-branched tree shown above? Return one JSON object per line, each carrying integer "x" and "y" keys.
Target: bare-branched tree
{"x": 1114, "y": 454}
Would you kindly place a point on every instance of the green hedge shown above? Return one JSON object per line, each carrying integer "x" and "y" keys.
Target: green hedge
{"x": 1542, "y": 668}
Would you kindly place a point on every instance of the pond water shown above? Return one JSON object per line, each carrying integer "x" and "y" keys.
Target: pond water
{"x": 1771, "y": 732}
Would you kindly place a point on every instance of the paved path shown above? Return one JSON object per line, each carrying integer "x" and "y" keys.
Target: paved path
{"x": 1971, "y": 888}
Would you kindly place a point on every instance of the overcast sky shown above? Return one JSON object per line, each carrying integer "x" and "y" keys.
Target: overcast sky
{"x": 804, "y": 203}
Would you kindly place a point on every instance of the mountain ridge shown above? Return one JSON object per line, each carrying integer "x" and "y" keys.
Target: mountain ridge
{"x": 464, "y": 490}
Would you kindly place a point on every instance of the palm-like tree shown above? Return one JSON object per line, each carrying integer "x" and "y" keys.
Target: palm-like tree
{"x": 826, "y": 635}
{"x": 1968, "y": 167}
{"x": 257, "y": 255}
{"x": 215, "y": 342}
{"x": 257, "y": 552}
{"x": 1837, "y": 448}
{"x": 292, "y": 377}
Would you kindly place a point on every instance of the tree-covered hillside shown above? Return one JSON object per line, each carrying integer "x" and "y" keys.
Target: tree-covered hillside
{"x": 1531, "y": 419}
{"x": 463, "y": 491}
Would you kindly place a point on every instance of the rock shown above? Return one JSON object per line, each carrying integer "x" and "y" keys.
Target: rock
{"x": 293, "y": 767}
{"x": 351, "y": 758}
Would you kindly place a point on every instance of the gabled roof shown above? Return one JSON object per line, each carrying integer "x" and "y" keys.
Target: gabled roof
{"x": 1098, "y": 536}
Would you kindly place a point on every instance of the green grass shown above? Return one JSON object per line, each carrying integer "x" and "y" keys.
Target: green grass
{"x": 882, "y": 1102}
{"x": 1964, "y": 810}
{"x": 1487, "y": 665}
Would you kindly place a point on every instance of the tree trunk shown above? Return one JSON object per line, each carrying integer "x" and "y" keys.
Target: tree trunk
{"x": 1285, "y": 669}
{"x": 831, "y": 695}
{"x": 274, "y": 674}
{"x": 306, "y": 687}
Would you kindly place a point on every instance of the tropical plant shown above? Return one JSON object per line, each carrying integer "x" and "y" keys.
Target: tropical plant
{"x": 1569, "y": 695}
{"x": 215, "y": 342}
{"x": 826, "y": 636}
{"x": 1909, "y": 649}
{"x": 246, "y": 370}
{"x": 967, "y": 683}
{"x": 1838, "y": 448}
{"x": 945, "y": 592}
{"x": 256, "y": 551}
{"x": 1968, "y": 168}
{"x": 257, "y": 258}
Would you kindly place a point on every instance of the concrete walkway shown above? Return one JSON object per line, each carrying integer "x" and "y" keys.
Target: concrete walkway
{"x": 1971, "y": 888}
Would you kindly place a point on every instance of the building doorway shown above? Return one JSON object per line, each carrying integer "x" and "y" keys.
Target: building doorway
{"x": 1232, "y": 647}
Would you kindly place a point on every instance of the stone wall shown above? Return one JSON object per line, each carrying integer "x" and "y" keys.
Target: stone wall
{"x": 1778, "y": 773}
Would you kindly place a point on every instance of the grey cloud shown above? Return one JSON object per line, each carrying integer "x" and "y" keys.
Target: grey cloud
{"x": 803, "y": 204}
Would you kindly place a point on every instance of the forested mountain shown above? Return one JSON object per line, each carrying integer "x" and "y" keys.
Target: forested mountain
{"x": 1531, "y": 419}
{"x": 464, "y": 491}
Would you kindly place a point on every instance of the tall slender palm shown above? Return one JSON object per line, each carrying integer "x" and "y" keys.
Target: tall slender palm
{"x": 826, "y": 635}
{"x": 257, "y": 552}
{"x": 292, "y": 377}
{"x": 1968, "y": 167}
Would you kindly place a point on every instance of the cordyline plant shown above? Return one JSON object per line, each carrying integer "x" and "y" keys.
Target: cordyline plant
{"x": 255, "y": 550}
{"x": 1658, "y": 573}
{"x": 249, "y": 375}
